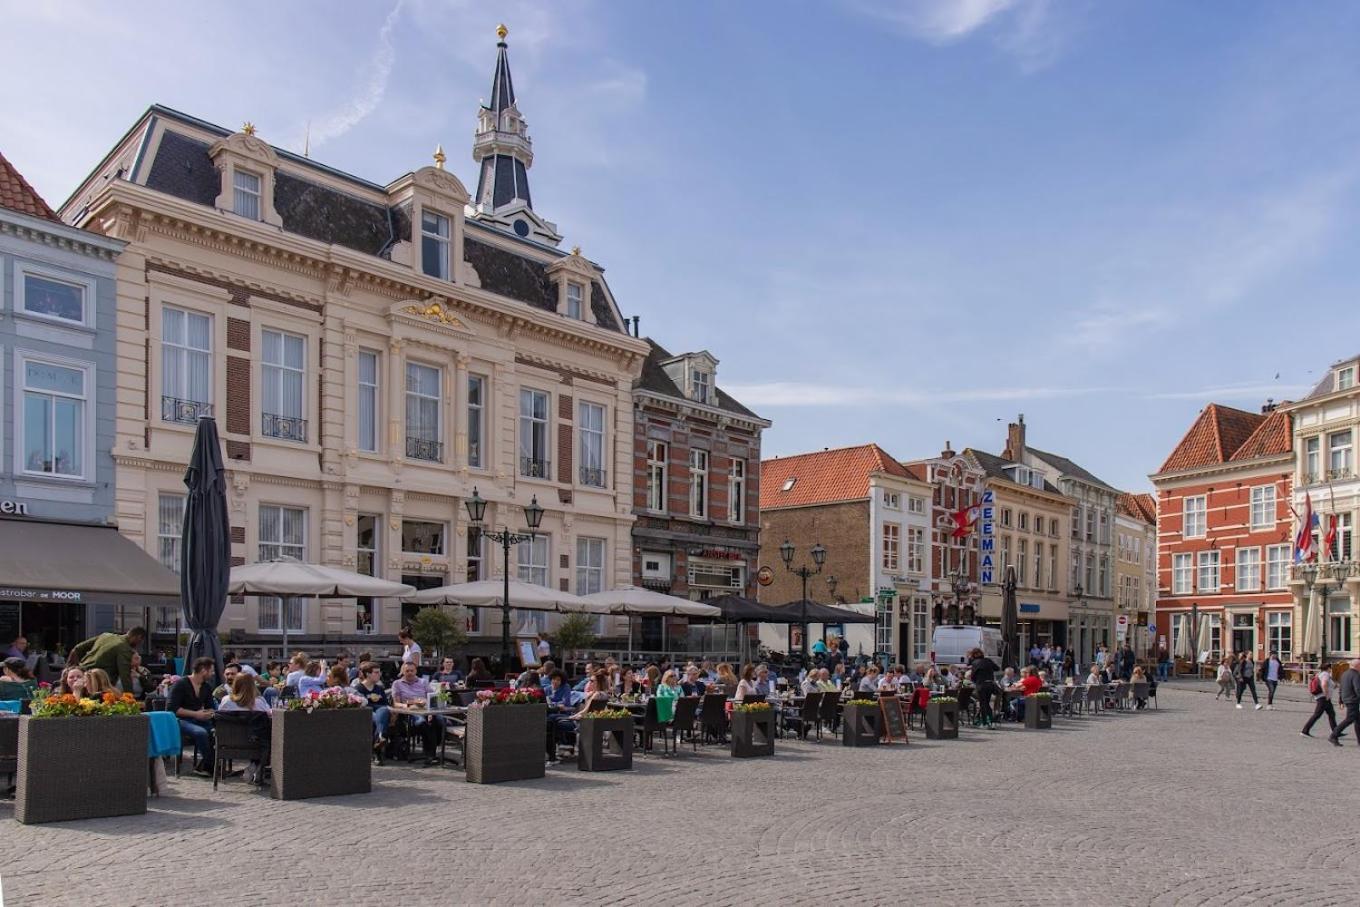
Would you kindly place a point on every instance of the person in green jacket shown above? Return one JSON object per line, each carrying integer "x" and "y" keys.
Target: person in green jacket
{"x": 110, "y": 651}
{"x": 666, "y": 693}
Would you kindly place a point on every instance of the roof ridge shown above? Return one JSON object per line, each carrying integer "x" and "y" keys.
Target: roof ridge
{"x": 22, "y": 197}
{"x": 823, "y": 451}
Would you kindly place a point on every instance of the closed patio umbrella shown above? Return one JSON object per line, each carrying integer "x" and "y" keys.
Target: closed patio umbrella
{"x": 291, "y": 578}
{"x": 1204, "y": 635}
{"x": 1312, "y": 625}
{"x": 1184, "y": 644}
{"x": 1010, "y": 622}
{"x": 205, "y": 546}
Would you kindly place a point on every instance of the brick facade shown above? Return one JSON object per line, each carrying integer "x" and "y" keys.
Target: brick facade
{"x": 842, "y": 528}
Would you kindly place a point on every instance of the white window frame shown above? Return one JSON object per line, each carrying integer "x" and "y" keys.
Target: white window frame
{"x": 658, "y": 473}
{"x": 1345, "y": 378}
{"x": 1194, "y": 516}
{"x": 1053, "y": 568}
{"x": 443, "y": 242}
{"x": 698, "y": 483}
{"x": 25, "y": 269}
{"x": 892, "y": 547}
{"x": 916, "y": 504}
{"x": 419, "y": 398}
{"x": 529, "y": 568}
{"x": 170, "y": 533}
{"x": 1345, "y": 450}
{"x": 590, "y": 564}
{"x": 916, "y": 550}
{"x": 271, "y": 516}
{"x": 277, "y": 372}
{"x": 181, "y": 349}
{"x": 1208, "y": 566}
{"x": 87, "y": 427}
{"x": 1183, "y": 573}
{"x": 576, "y": 300}
{"x": 892, "y": 500}
{"x": 1263, "y": 507}
{"x": 370, "y": 390}
{"x": 1248, "y": 569}
{"x": 1021, "y": 562}
{"x": 531, "y": 458}
{"x": 736, "y": 492}
{"x": 590, "y": 423}
{"x": 1312, "y": 458}
{"x": 245, "y": 196}
{"x": 1279, "y": 629}
{"x": 476, "y": 422}
{"x": 701, "y": 385}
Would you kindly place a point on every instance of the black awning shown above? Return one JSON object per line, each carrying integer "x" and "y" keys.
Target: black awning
{"x": 77, "y": 564}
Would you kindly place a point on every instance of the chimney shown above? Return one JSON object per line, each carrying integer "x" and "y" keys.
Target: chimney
{"x": 636, "y": 329}
{"x": 1269, "y": 406}
{"x": 1015, "y": 440}
{"x": 947, "y": 453}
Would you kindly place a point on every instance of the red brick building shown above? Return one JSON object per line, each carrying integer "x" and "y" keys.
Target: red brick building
{"x": 957, "y": 484}
{"x": 696, "y": 482}
{"x": 1224, "y": 534}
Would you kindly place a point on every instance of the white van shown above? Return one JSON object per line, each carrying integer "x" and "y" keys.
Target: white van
{"x": 953, "y": 643}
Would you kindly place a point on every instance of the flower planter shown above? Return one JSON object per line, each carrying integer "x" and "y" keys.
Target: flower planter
{"x": 861, "y": 723}
{"x": 505, "y": 743}
{"x": 81, "y": 768}
{"x": 942, "y": 720}
{"x": 322, "y": 753}
{"x": 602, "y": 744}
{"x": 1038, "y": 713}
{"x": 753, "y": 733}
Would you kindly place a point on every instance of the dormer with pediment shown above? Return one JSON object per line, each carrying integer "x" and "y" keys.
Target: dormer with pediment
{"x": 572, "y": 277}
{"x": 435, "y": 199}
{"x": 696, "y": 374}
{"x": 247, "y": 166}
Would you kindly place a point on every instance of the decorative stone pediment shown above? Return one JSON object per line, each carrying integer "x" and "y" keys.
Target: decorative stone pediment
{"x": 249, "y": 147}
{"x": 247, "y": 152}
{"x": 442, "y": 184}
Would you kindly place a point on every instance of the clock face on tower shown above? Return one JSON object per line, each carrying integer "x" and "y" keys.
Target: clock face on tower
{"x": 521, "y": 227}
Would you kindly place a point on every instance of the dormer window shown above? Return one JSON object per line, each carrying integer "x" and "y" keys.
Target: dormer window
{"x": 434, "y": 244}
{"x": 1022, "y": 475}
{"x": 789, "y": 483}
{"x": 1345, "y": 378}
{"x": 246, "y": 194}
{"x": 700, "y": 385}
{"x": 575, "y": 295}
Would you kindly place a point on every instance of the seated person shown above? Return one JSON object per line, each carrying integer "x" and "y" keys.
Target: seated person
{"x": 478, "y": 674}
{"x": 141, "y": 678}
{"x": 297, "y": 668}
{"x": 580, "y": 685}
{"x": 1093, "y": 677}
{"x": 18, "y": 682}
{"x": 448, "y": 672}
{"x": 192, "y": 703}
{"x": 97, "y": 683}
{"x": 746, "y": 686}
{"x": 809, "y": 684}
{"x": 72, "y": 682}
{"x": 1139, "y": 677}
{"x": 414, "y": 690}
{"x": 369, "y": 685}
{"x": 694, "y": 683}
{"x": 668, "y": 690}
{"x": 1028, "y": 684}
{"x": 223, "y": 690}
{"x": 764, "y": 685}
{"x": 545, "y": 669}
{"x": 824, "y": 682}
{"x": 338, "y": 676}
{"x": 311, "y": 679}
{"x": 527, "y": 678}
{"x": 244, "y": 697}
{"x": 869, "y": 683}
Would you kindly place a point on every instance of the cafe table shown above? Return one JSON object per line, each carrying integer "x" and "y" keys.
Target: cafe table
{"x": 458, "y": 712}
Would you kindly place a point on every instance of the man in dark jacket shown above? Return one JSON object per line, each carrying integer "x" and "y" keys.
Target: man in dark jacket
{"x": 1126, "y": 662}
{"x": 1350, "y": 698}
{"x": 112, "y": 653}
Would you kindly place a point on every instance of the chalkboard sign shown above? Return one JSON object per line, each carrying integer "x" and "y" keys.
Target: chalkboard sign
{"x": 894, "y": 721}
{"x": 9, "y": 622}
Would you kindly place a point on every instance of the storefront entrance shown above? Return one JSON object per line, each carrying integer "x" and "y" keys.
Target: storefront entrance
{"x": 1243, "y": 634}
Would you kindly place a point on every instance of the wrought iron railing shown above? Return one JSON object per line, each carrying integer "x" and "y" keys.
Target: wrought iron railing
{"x": 286, "y": 428}
{"x": 593, "y": 476}
{"x": 424, "y": 449}
{"x": 533, "y": 468}
{"x": 173, "y": 409}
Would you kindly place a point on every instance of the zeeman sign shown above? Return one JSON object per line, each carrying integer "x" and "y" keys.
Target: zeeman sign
{"x": 987, "y": 566}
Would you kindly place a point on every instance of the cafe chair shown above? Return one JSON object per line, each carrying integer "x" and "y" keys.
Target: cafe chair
{"x": 967, "y": 705}
{"x": 239, "y": 735}
{"x": 805, "y": 718}
{"x": 682, "y": 723}
{"x": 9, "y": 749}
{"x": 828, "y": 716}
{"x": 713, "y": 717}
{"x": 647, "y": 725}
{"x": 1095, "y": 697}
{"x": 1066, "y": 700}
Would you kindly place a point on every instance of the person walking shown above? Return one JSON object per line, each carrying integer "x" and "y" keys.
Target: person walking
{"x": 1245, "y": 673}
{"x": 1069, "y": 664}
{"x": 1320, "y": 688}
{"x": 1225, "y": 680}
{"x": 1272, "y": 670}
{"x": 1350, "y": 698}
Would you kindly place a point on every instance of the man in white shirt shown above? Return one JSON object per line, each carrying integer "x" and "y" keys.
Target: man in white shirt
{"x": 410, "y": 654}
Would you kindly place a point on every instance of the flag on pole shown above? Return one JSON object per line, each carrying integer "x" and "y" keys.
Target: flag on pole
{"x": 1303, "y": 540}
{"x": 1329, "y": 541}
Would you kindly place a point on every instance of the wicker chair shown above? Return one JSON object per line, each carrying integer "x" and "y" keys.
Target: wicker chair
{"x": 806, "y": 718}
{"x": 648, "y": 725}
{"x": 239, "y": 735}
{"x": 828, "y": 717}
{"x": 713, "y": 717}
{"x": 1095, "y": 697}
{"x": 1139, "y": 692}
{"x": 686, "y": 712}
{"x": 1067, "y": 700}
{"x": 9, "y": 747}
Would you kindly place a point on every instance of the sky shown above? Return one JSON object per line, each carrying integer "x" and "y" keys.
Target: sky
{"x": 898, "y": 222}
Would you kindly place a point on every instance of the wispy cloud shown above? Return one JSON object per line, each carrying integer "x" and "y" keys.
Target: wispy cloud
{"x": 1025, "y": 29}
{"x": 1236, "y": 392}
{"x": 1105, "y": 323}
{"x": 795, "y": 393}
{"x": 373, "y": 87}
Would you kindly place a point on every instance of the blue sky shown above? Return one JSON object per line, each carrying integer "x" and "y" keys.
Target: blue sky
{"x": 891, "y": 222}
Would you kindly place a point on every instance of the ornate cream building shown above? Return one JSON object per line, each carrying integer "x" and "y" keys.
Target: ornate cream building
{"x": 371, "y": 353}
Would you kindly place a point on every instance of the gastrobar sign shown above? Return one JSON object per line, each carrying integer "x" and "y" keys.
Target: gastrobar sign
{"x": 14, "y": 508}
{"x": 40, "y": 595}
{"x": 987, "y": 566}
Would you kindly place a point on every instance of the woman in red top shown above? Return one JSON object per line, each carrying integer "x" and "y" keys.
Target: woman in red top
{"x": 1030, "y": 682}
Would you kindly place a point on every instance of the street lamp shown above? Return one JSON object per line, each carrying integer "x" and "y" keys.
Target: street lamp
{"x": 533, "y": 516}
{"x": 803, "y": 572}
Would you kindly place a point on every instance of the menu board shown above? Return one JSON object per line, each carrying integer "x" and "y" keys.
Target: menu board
{"x": 894, "y": 723}
{"x": 9, "y": 622}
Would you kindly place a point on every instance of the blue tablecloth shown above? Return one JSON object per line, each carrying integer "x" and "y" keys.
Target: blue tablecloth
{"x": 11, "y": 705}
{"x": 164, "y": 737}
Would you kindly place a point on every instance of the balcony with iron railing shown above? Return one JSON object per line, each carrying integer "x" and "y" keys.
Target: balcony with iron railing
{"x": 424, "y": 449}
{"x": 534, "y": 468}
{"x": 594, "y": 476}
{"x": 285, "y": 428}
{"x": 173, "y": 409}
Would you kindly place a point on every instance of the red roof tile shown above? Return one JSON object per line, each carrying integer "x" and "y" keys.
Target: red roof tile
{"x": 1139, "y": 506}
{"x": 1272, "y": 437}
{"x": 1216, "y": 435}
{"x": 17, "y": 195}
{"x": 824, "y": 476}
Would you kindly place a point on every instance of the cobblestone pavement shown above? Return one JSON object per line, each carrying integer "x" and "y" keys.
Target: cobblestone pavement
{"x": 1197, "y": 803}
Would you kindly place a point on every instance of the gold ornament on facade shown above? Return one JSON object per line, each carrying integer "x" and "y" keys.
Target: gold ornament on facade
{"x": 440, "y": 157}
{"x": 248, "y": 128}
{"x": 435, "y": 312}
{"x": 502, "y": 31}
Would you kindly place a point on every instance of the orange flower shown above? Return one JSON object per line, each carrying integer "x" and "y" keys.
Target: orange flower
{"x": 109, "y": 698}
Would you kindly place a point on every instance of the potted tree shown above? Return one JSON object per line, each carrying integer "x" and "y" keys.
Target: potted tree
{"x": 321, "y": 745}
{"x": 604, "y": 741}
{"x": 752, "y": 729}
{"x": 575, "y": 634}
{"x": 438, "y": 631}
{"x": 942, "y": 718}
{"x": 505, "y": 734}
{"x": 861, "y": 723}
{"x": 1039, "y": 711}
{"x": 81, "y": 758}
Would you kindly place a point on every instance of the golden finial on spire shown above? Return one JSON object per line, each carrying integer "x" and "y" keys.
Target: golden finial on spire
{"x": 248, "y": 128}
{"x": 575, "y": 250}
{"x": 502, "y": 31}
{"x": 439, "y": 156}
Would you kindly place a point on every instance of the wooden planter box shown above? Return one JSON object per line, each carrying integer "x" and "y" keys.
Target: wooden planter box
{"x": 604, "y": 744}
{"x": 324, "y": 753}
{"x": 1038, "y": 713}
{"x": 752, "y": 734}
{"x": 81, "y": 768}
{"x": 861, "y": 723}
{"x": 942, "y": 721}
{"x": 505, "y": 743}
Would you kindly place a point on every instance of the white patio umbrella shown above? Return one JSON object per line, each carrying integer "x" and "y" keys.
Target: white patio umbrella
{"x": 490, "y": 593}
{"x": 1312, "y": 625}
{"x": 1205, "y": 635}
{"x": 634, "y": 602}
{"x": 290, "y": 578}
{"x": 1184, "y": 645}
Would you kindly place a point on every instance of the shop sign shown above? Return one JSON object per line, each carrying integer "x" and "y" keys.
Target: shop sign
{"x": 765, "y": 576}
{"x": 987, "y": 566}
{"x": 41, "y": 595}
{"x": 722, "y": 554}
{"x": 13, "y": 508}
{"x": 1026, "y": 608}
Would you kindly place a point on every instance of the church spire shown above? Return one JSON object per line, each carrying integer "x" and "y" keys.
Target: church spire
{"x": 505, "y": 152}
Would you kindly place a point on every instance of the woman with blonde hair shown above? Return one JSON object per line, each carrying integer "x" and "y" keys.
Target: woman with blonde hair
{"x": 97, "y": 683}
{"x": 726, "y": 678}
{"x": 244, "y": 697}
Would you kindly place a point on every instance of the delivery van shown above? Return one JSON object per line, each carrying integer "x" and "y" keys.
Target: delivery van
{"x": 952, "y": 644}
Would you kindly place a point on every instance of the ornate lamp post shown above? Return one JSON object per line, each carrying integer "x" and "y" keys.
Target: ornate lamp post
{"x": 533, "y": 515}
{"x": 1312, "y": 572}
{"x": 804, "y": 573}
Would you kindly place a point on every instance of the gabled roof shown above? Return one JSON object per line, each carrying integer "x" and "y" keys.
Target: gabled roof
{"x": 1327, "y": 384}
{"x": 1068, "y": 468}
{"x": 1139, "y": 506}
{"x": 655, "y": 379}
{"x": 1217, "y": 433}
{"x": 1272, "y": 438}
{"x": 824, "y": 476}
{"x": 995, "y": 467}
{"x": 17, "y": 195}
